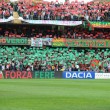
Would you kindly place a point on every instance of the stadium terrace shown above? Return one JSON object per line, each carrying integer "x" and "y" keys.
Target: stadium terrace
{"x": 50, "y": 36}
{"x": 74, "y": 11}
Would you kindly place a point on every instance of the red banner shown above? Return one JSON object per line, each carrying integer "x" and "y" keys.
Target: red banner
{"x": 18, "y": 75}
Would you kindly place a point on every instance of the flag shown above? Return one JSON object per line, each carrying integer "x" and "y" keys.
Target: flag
{"x": 95, "y": 62}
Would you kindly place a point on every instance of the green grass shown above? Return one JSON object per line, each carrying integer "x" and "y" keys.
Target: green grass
{"x": 54, "y": 94}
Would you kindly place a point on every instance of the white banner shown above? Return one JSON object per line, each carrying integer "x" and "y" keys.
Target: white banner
{"x": 102, "y": 75}
{"x": 54, "y": 22}
{"x": 47, "y": 41}
{"x": 7, "y": 20}
{"x": 36, "y": 42}
{"x": 48, "y": 22}
{"x": 39, "y": 42}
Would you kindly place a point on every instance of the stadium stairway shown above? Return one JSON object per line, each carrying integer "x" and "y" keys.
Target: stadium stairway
{"x": 16, "y": 16}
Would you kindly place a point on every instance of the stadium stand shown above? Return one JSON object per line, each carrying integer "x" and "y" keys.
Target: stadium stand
{"x": 93, "y": 11}
{"x": 73, "y": 33}
{"x": 55, "y": 58}
{"x": 6, "y": 10}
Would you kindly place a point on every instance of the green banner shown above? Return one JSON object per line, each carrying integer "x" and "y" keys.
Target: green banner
{"x": 14, "y": 41}
{"x": 100, "y": 24}
{"x": 44, "y": 74}
{"x": 87, "y": 43}
{"x": 83, "y": 43}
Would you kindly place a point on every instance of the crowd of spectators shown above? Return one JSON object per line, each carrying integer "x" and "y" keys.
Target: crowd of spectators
{"x": 49, "y": 58}
{"x": 75, "y": 11}
{"x": 6, "y": 10}
{"x": 93, "y": 11}
{"x": 54, "y": 59}
{"x": 73, "y": 33}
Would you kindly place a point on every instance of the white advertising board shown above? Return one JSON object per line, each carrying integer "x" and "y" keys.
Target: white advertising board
{"x": 102, "y": 75}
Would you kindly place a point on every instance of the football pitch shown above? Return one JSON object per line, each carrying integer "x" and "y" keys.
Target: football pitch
{"x": 54, "y": 94}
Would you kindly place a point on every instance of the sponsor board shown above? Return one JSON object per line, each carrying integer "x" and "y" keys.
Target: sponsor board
{"x": 18, "y": 75}
{"x": 53, "y": 74}
{"x": 29, "y": 74}
{"x": 78, "y": 75}
{"x": 44, "y": 74}
{"x": 102, "y": 75}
